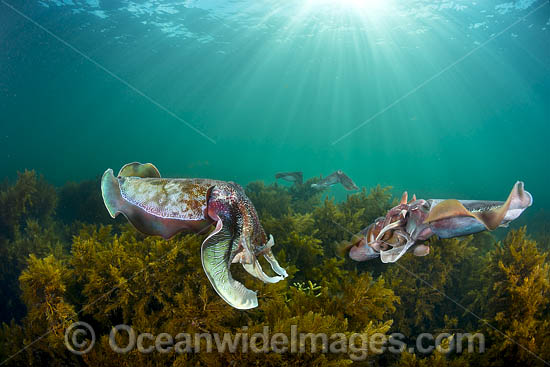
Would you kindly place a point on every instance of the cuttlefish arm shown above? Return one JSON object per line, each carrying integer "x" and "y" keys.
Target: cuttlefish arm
{"x": 453, "y": 218}
{"x": 360, "y": 247}
{"x": 253, "y": 233}
{"x": 395, "y": 253}
{"x": 165, "y": 207}
{"x": 219, "y": 249}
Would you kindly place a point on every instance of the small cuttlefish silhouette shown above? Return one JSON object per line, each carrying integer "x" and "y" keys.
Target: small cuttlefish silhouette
{"x": 296, "y": 177}
{"x": 335, "y": 178}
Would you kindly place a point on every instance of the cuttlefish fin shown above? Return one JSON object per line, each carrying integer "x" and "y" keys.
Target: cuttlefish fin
{"x": 518, "y": 198}
{"x": 215, "y": 256}
{"x": 447, "y": 209}
{"x": 136, "y": 169}
{"x": 110, "y": 191}
{"x": 143, "y": 221}
{"x": 521, "y": 199}
{"x": 490, "y": 218}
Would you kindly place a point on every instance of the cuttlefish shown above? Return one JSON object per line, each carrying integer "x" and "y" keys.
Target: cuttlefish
{"x": 411, "y": 223}
{"x": 167, "y": 206}
{"x": 296, "y": 177}
{"x": 335, "y": 178}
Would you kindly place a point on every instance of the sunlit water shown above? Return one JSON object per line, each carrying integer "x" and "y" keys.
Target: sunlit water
{"x": 442, "y": 98}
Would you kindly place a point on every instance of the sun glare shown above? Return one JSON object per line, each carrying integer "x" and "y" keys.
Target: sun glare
{"x": 354, "y": 4}
{"x": 363, "y": 4}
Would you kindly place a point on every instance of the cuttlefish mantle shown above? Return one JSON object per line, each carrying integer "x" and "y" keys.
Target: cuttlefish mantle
{"x": 167, "y": 206}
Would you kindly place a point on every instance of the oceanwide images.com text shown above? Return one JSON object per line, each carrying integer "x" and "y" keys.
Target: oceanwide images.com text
{"x": 80, "y": 339}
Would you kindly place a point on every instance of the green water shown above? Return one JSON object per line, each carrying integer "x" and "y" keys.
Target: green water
{"x": 444, "y": 99}
{"x": 456, "y": 94}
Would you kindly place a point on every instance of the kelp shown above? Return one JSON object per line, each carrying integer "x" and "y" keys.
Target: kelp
{"x": 275, "y": 200}
{"x": 428, "y": 285}
{"x": 146, "y": 278}
{"x": 507, "y": 292}
{"x": 269, "y": 200}
{"x": 370, "y": 206}
{"x": 153, "y": 285}
{"x": 515, "y": 300}
{"x": 30, "y": 197}
{"x": 26, "y": 227}
{"x": 64, "y": 264}
{"x": 436, "y": 359}
{"x": 304, "y": 197}
{"x": 44, "y": 286}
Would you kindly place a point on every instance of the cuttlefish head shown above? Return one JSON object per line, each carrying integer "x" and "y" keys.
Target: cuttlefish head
{"x": 391, "y": 236}
{"x": 395, "y": 218}
{"x": 238, "y": 238}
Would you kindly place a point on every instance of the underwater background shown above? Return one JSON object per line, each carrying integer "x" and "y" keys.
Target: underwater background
{"x": 444, "y": 99}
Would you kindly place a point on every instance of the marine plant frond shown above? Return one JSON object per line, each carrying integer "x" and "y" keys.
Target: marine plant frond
{"x": 44, "y": 286}
{"x": 30, "y": 197}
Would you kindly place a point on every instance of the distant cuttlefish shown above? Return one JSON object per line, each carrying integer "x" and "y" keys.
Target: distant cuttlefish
{"x": 334, "y": 178}
{"x": 296, "y": 177}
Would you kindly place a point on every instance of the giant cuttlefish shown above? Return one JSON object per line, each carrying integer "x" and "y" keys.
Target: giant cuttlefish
{"x": 410, "y": 222}
{"x": 296, "y": 177}
{"x": 166, "y": 206}
{"x": 335, "y": 178}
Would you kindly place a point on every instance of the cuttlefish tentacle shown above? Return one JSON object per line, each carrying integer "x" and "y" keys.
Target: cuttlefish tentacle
{"x": 393, "y": 254}
{"x": 275, "y": 264}
{"x": 254, "y": 267}
{"x": 388, "y": 228}
{"x": 253, "y": 233}
{"x": 266, "y": 252}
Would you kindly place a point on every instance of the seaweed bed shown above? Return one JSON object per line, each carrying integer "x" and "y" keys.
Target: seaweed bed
{"x": 64, "y": 259}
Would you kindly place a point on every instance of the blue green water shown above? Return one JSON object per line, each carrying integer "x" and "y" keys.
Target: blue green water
{"x": 441, "y": 98}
